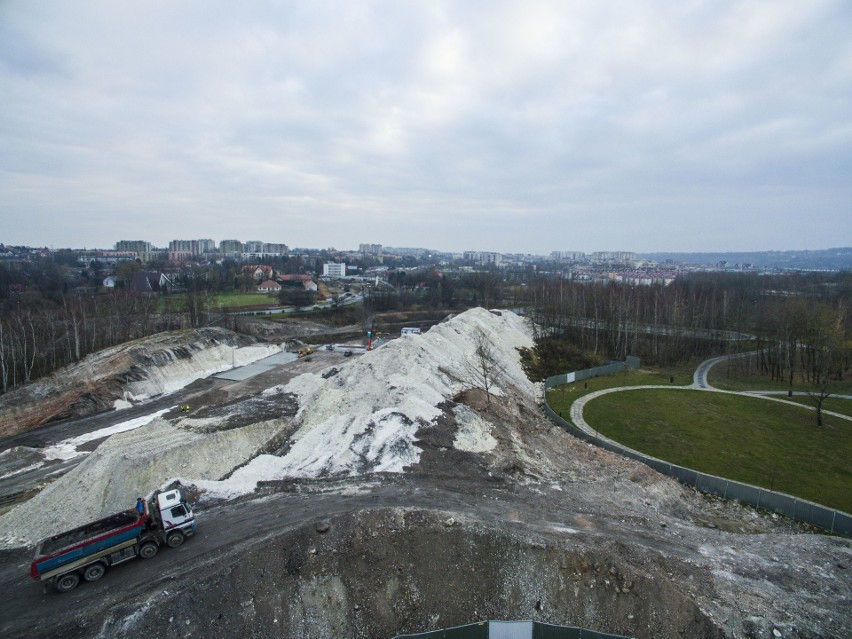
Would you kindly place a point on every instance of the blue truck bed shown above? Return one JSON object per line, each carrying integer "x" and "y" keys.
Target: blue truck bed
{"x": 85, "y": 541}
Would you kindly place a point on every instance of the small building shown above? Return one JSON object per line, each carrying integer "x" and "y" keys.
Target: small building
{"x": 269, "y": 286}
{"x": 334, "y": 269}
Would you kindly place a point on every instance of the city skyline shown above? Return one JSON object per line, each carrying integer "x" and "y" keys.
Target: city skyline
{"x": 501, "y": 126}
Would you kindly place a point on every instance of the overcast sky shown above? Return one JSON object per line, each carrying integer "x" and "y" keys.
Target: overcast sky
{"x": 528, "y": 126}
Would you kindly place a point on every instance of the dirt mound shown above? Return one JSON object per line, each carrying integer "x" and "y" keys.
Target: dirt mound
{"x": 379, "y": 573}
{"x": 131, "y": 371}
{"x": 396, "y": 493}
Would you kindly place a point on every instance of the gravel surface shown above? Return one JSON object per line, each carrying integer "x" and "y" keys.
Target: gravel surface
{"x": 488, "y": 511}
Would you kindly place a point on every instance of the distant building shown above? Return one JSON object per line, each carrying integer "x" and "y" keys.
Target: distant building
{"x": 231, "y": 247}
{"x": 259, "y": 272}
{"x": 203, "y": 247}
{"x": 275, "y": 249}
{"x": 571, "y": 256}
{"x": 188, "y": 249}
{"x": 140, "y": 247}
{"x": 370, "y": 249}
{"x": 269, "y": 287}
{"x": 296, "y": 280}
{"x": 180, "y": 250}
{"x": 483, "y": 257}
{"x": 618, "y": 257}
{"x": 253, "y": 246}
{"x": 334, "y": 269}
{"x": 147, "y": 282}
{"x": 106, "y": 257}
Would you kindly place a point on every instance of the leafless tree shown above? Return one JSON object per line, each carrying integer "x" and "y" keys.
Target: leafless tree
{"x": 483, "y": 371}
{"x": 828, "y": 354}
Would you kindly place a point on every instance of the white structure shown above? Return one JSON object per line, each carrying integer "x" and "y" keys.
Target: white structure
{"x": 334, "y": 269}
{"x": 370, "y": 249}
{"x": 483, "y": 257}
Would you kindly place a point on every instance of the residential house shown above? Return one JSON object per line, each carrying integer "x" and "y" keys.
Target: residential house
{"x": 269, "y": 287}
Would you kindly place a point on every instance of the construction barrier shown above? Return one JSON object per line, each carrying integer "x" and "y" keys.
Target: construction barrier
{"x": 835, "y": 522}
{"x": 610, "y": 368}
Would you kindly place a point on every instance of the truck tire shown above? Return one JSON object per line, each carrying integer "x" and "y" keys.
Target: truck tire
{"x": 94, "y": 572}
{"x": 175, "y": 539}
{"x": 66, "y": 582}
{"x": 148, "y": 550}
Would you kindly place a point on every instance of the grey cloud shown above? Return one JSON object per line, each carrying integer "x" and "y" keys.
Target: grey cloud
{"x": 601, "y": 122}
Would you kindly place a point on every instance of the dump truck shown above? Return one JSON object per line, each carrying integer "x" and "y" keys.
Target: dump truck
{"x": 86, "y": 552}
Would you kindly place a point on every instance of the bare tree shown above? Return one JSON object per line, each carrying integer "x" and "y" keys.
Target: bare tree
{"x": 828, "y": 355}
{"x": 483, "y": 371}
{"x": 4, "y": 373}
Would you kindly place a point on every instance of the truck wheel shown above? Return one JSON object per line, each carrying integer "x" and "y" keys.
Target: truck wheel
{"x": 94, "y": 572}
{"x": 175, "y": 539}
{"x": 148, "y": 550}
{"x": 66, "y": 582}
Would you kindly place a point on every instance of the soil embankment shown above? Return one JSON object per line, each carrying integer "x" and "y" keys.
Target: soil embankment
{"x": 395, "y": 492}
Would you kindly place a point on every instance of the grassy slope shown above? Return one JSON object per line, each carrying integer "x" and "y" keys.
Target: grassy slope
{"x": 748, "y": 439}
{"x": 560, "y": 398}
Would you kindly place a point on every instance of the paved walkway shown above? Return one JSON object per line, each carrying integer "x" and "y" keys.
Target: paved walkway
{"x": 699, "y": 383}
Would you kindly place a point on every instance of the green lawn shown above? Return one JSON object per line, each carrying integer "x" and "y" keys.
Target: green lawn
{"x": 239, "y": 300}
{"x": 834, "y": 404}
{"x": 729, "y": 377}
{"x": 560, "y": 398}
{"x": 748, "y": 439}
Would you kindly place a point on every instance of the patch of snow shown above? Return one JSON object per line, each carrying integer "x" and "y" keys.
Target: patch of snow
{"x": 243, "y": 480}
{"x": 181, "y": 372}
{"x": 366, "y": 419}
{"x": 26, "y": 469}
{"x": 474, "y": 433}
{"x": 126, "y": 465}
{"x": 564, "y": 529}
{"x": 67, "y": 448}
{"x": 363, "y": 420}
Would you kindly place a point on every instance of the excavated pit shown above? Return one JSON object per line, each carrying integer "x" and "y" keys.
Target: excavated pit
{"x": 383, "y": 572}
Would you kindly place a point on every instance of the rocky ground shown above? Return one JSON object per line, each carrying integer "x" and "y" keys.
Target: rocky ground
{"x": 381, "y": 494}
{"x": 127, "y": 373}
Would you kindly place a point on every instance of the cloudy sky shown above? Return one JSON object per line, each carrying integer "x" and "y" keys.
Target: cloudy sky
{"x": 513, "y": 126}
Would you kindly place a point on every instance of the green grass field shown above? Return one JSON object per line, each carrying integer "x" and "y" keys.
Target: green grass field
{"x": 731, "y": 378}
{"x": 834, "y": 404}
{"x": 560, "y": 398}
{"x": 240, "y": 300}
{"x": 753, "y": 440}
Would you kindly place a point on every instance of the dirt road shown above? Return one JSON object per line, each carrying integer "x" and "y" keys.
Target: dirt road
{"x": 229, "y": 530}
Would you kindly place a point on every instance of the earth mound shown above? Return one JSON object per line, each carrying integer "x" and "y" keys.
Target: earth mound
{"x": 403, "y": 491}
{"x": 129, "y": 372}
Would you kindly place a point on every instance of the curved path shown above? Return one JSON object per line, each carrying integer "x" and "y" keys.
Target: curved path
{"x": 700, "y": 383}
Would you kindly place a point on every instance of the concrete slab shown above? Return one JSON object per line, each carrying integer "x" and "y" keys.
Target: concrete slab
{"x": 261, "y": 366}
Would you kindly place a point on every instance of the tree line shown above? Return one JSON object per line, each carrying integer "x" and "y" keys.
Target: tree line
{"x": 46, "y": 325}
{"x": 800, "y": 323}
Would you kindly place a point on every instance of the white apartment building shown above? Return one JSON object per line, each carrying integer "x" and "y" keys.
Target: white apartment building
{"x": 334, "y": 269}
